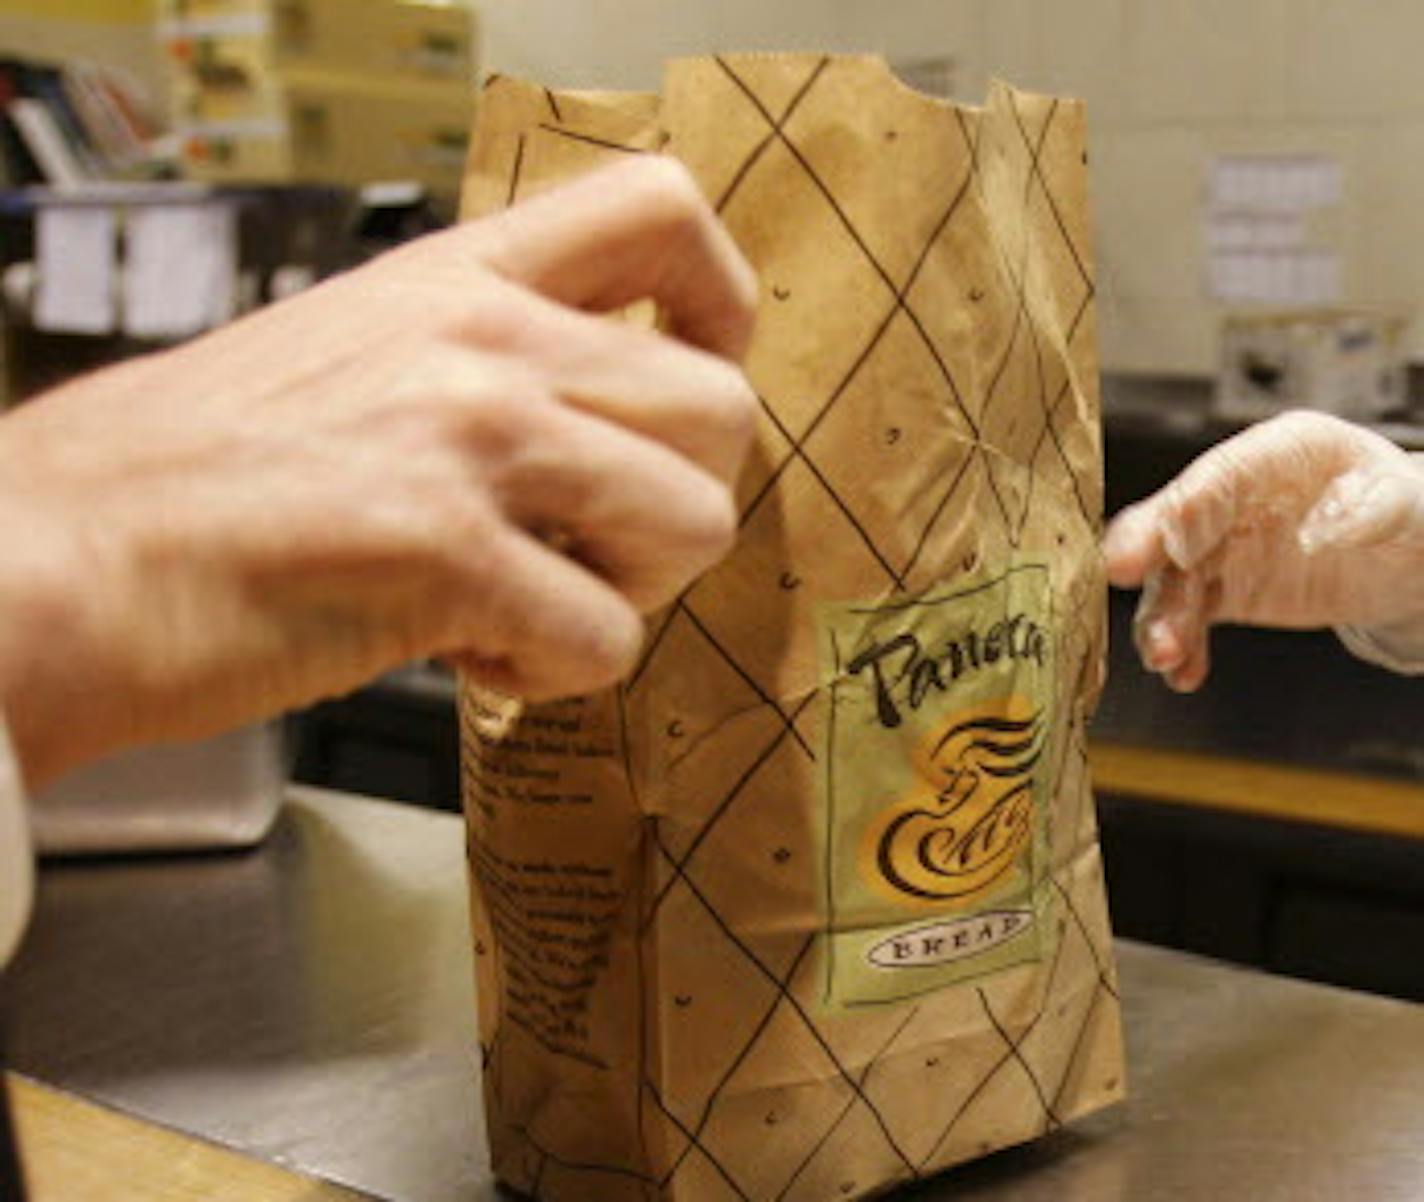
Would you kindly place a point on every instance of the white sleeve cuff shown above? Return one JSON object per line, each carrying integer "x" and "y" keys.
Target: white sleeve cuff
{"x": 17, "y": 867}
{"x": 1400, "y": 649}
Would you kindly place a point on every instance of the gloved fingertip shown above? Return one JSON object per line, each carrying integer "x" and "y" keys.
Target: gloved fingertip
{"x": 1123, "y": 571}
{"x": 1182, "y": 682}
{"x": 1190, "y": 674}
{"x": 1130, "y": 547}
{"x": 1159, "y": 646}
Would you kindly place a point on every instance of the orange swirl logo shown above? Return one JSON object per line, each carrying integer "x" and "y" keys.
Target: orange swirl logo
{"x": 973, "y": 817}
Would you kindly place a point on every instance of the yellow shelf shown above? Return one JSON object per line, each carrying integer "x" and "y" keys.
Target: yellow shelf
{"x": 108, "y": 12}
{"x": 1337, "y": 799}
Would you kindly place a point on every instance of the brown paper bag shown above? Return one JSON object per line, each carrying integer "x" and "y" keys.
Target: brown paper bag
{"x": 813, "y": 905}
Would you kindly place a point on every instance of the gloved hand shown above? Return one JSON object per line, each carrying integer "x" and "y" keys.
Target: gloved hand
{"x": 1302, "y": 521}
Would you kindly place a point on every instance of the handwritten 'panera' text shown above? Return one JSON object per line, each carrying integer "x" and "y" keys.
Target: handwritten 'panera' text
{"x": 905, "y": 673}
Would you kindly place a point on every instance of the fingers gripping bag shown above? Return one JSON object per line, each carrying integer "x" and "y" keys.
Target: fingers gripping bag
{"x": 812, "y": 906}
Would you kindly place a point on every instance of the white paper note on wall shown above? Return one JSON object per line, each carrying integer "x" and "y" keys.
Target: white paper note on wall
{"x": 74, "y": 252}
{"x": 1276, "y": 183}
{"x": 1257, "y": 230}
{"x": 1292, "y": 278}
{"x": 180, "y": 277}
{"x": 1234, "y": 229}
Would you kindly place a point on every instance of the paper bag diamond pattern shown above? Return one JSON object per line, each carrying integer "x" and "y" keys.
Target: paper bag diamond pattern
{"x": 888, "y": 261}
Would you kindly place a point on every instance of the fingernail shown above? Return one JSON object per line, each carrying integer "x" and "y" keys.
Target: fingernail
{"x": 1158, "y": 646}
{"x": 1321, "y": 526}
{"x": 1337, "y": 518}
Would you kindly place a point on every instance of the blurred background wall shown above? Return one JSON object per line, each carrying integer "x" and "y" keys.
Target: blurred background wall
{"x": 1172, "y": 87}
{"x": 115, "y": 32}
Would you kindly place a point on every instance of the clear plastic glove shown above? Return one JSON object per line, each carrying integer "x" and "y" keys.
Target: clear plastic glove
{"x": 1303, "y": 521}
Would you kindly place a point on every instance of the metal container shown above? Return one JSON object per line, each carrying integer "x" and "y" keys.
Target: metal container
{"x": 219, "y": 793}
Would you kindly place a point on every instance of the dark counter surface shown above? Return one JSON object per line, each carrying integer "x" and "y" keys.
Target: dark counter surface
{"x": 311, "y": 1003}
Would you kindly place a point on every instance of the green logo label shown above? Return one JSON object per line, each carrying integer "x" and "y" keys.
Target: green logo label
{"x": 938, "y": 756}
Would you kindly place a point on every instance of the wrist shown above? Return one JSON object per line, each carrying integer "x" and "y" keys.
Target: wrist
{"x": 1398, "y": 646}
{"x": 43, "y": 681}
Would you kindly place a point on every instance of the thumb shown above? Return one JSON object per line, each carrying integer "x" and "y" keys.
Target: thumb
{"x": 1365, "y": 508}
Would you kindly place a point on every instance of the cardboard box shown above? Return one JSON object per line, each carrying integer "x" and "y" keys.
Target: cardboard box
{"x": 402, "y": 37}
{"x": 327, "y": 128}
{"x": 225, "y": 80}
{"x": 1343, "y": 362}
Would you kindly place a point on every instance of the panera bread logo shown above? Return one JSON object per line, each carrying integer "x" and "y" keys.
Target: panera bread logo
{"x": 971, "y": 819}
{"x": 939, "y": 748}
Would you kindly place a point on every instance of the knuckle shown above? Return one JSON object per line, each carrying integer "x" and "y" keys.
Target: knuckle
{"x": 613, "y": 651}
{"x": 1307, "y": 418}
{"x": 498, "y": 319}
{"x": 725, "y": 408}
{"x": 499, "y": 408}
{"x": 1295, "y": 423}
{"x": 740, "y": 407}
{"x": 1307, "y": 429}
{"x": 675, "y": 206}
{"x": 445, "y": 265}
{"x": 746, "y": 298}
{"x": 482, "y": 433}
{"x": 745, "y": 289}
{"x": 672, "y": 184}
{"x": 674, "y": 201}
{"x": 595, "y": 650}
{"x": 709, "y": 525}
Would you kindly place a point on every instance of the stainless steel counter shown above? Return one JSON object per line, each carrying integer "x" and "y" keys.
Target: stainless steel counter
{"x": 311, "y": 1003}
